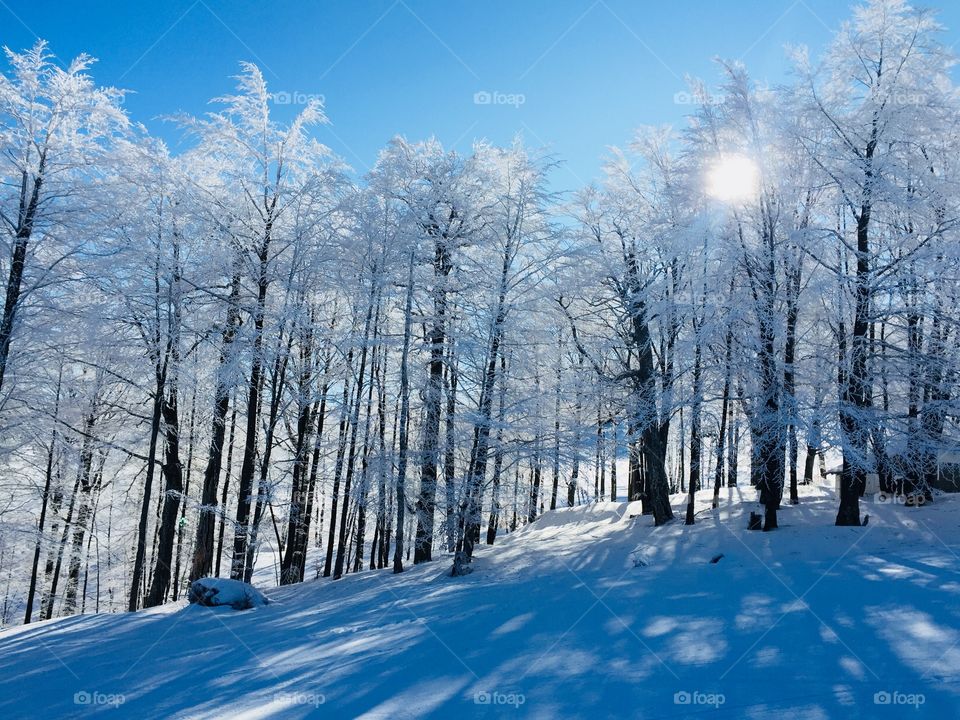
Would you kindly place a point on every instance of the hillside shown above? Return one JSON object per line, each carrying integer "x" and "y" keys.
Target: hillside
{"x": 588, "y": 607}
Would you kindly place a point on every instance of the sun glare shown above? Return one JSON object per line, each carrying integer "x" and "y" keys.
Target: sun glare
{"x": 734, "y": 178}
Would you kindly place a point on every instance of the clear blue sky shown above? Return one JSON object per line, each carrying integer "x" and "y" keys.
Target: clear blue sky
{"x": 589, "y": 72}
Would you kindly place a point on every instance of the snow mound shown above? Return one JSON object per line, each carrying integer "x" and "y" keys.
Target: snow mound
{"x": 580, "y": 515}
{"x": 219, "y": 592}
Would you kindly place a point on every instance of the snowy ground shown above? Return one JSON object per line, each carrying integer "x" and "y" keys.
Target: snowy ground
{"x": 587, "y": 613}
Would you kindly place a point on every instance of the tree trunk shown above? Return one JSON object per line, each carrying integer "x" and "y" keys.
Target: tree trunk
{"x": 498, "y": 457}
{"x": 556, "y": 425}
{"x": 277, "y": 385}
{"x": 354, "y": 425}
{"x": 426, "y": 502}
{"x": 293, "y": 563}
{"x": 26, "y": 216}
{"x": 645, "y": 413}
{"x": 449, "y": 457}
{"x": 404, "y": 423}
{"x": 722, "y": 434}
{"x": 141, "y": 552}
{"x": 696, "y": 441}
{"x": 226, "y": 487}
{"x": 173, "y": 478}
{"x": 733, "y": 446}
{"x": 364, "y": 488}
{"x": 613, "y": 460}
{"x": 470, "y": 510}
{"x": 346, "y": 412}
{"x": 44, "y": 500}
{"x": 84, "y": 491}
{"x": 534, "y": 484}
{"x": 203, "y": 547}
{"x": 381, "y": 540}
{"x": 789, "y": 383}
{"x": 248, "y": 463}
{"x": 182, "y": 525}
{"x": 856, "y": 393}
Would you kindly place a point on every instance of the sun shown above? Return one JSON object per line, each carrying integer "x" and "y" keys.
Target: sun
{"x": 733, "y": 178}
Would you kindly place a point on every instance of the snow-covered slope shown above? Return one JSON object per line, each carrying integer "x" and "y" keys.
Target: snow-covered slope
{"x": 589, "y": 612}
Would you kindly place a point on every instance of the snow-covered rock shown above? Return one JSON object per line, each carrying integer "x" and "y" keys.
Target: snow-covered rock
{"x": 217, "y": 592}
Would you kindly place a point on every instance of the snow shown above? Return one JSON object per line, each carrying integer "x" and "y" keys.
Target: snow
{"x": 223, "y": 592}
{"x": 558, "y": 620}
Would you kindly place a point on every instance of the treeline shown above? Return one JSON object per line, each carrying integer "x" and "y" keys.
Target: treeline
{"x": 240, "y": 357}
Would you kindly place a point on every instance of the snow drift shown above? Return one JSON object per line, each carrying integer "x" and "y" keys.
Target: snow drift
{"x": 220, "y": 592}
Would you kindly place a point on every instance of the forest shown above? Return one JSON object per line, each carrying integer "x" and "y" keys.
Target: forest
{"x": 243, "y": 355}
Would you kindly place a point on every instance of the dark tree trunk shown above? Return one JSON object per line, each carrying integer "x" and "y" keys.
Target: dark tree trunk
{"x": 44, "y": 501}
{"x": 85, "y": 489}
{"x": 381, "y": 539}
{"x": 808, "y": 464}
{"x": 600, "y": 472}
{"x": 346, "y": 412}
{"x": 556, "y": 426}
{"x": 449, "y": 454}
{"x": 293, "y": 563}
{"x": 789, "y": 382}
{"x": 363, "y": 489}
{"x": 226, "y": 487}
{"x": 477, "y": 472}
{"x": 645, "y": 413}
{"x": 301, "y": 536}
{"x": 494, "y": 523}
{"x": 248, "y": 463}
{"x": 278, "y": 381}
{"x": 173, "y": 479}
{"x": 404, "y": 423}
{"x": 182, "y": 525}
{"x": 696, "y": 441}
{"x": 26, "y": 216}
{"x": 613, "y": 460}
{"x": 635, "y": 484}
{"x": 46, "y": 611}
{"x": 768, "y": 438}
{"x": 354, "y": 426}
{"x": 535, "y": 484}
{"x": 733, "y": 446}
{"x": 573, "y": 484}
{"x": 288, "y": 569}
{"x": 426, "y": 502}
{"x": 141, "y": 551}
{"x": 206, "y": 522}
{"x": 722, "y": 434}
{"x": 856, "y": 393}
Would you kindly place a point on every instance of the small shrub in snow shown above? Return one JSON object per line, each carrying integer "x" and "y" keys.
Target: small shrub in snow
{"x": 218, "y": 592}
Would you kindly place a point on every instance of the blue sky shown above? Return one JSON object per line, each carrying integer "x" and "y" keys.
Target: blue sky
{"x": 589, "y": 72}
